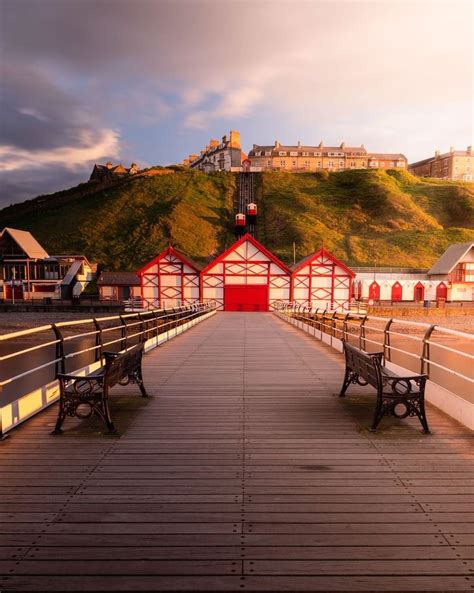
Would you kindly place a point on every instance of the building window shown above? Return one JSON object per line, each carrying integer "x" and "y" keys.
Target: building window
{"x": 269, "y": 163}
{"x": 317, "y": 154}
{"x": 281, "y": 153}
{"x": 330, "y": 163}
{"x": 282, "y": 163}
{"x": 268, "y": 153}
{"x": 341, "y": 163}
{"x": 294, "y": 163}
{"x": 305, "y": 153}
{"x": 293, "y": 153}
{"x": 258, "y": 153}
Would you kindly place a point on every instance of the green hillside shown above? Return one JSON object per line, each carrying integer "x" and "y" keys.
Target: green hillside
{"x": 364, "y": 217}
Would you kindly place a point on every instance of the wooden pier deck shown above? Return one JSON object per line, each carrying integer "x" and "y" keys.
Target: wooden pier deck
{"x": 245, "y": 472}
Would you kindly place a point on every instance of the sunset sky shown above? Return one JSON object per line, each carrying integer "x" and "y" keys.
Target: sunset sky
{"x": 150, "y": 80}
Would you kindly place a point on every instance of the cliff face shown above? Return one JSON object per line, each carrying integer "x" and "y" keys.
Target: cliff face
{"x": 363, "y": 217}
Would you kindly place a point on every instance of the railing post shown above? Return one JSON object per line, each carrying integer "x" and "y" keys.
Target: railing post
{"x": 60, "y": 366}
{"x": 123, "y": 333}
{"x": 142, "y": 329}
{"x": 334, "y": 324}
{"x": 386, "y": 340}
{"x": 362, "y": 333}
{"x": 98, "y": 340}
{"x": 425, "y": 357}
{"x": 345, "y": 329}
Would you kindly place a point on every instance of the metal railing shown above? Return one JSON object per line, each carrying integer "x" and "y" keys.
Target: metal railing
{"x": 445, "y": 355}
{"x": 30, "y": 359}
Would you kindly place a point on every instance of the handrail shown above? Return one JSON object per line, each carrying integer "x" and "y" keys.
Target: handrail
{"x": 357, "y": 326}
{"x": 170, "y": 318}
{"x": 130, "y": 328}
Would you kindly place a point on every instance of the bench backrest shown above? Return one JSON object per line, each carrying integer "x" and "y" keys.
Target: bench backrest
{"x": 366, "y": 364}
{"x": 119, "y": 366}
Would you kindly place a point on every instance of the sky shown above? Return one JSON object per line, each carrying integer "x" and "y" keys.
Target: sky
{"x": 150, "y": 81}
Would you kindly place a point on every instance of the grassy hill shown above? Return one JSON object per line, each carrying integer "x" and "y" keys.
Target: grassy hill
{"x": 387, "y": 218}
{"x": 364, "y": 217}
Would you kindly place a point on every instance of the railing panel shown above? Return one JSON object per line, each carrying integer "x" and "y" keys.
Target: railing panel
{"x": 31, "y": 359}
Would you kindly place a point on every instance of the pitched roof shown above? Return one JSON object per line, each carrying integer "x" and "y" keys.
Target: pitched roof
{"x": 26, "y": 242}
{"x": 118, "y": 279}
{"x": 386, "y": 155}
{"x": 450, "y": 258}
{"x": 309, "y": 258}
{"x": 170, "y": 250}
{"x": 255, "y": 243}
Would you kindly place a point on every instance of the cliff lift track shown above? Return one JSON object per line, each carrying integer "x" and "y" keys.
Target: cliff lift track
{"x": 246, "y": 195}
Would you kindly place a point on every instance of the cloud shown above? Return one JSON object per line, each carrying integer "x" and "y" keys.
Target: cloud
{"x": 165, "y": 75}
{"x": 91, "y": 146}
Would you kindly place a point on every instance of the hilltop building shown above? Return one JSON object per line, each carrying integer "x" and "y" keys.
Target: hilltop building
{"x": 279, "y": 157}
{"x": 218, "y": 156}
{"x": 28, "y": 272}
{"x": 456, "y": 165}
{"x": 110, "y": 172}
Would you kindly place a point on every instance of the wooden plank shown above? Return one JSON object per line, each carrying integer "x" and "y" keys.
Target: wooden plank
{"x": 249, "y": 474}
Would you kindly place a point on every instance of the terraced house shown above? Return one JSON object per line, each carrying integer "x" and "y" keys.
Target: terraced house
{"x": 455, "y": 164}
{"x": 299, "y": 157}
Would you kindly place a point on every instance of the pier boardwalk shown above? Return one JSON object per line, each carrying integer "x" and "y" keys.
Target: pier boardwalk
{"x": 245, "y": 472}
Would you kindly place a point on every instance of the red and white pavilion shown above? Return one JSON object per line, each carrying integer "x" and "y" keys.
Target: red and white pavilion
{"x": 246, "y": 277}
{"x": 169, "y": 280}
{"x": 322, "y": 281}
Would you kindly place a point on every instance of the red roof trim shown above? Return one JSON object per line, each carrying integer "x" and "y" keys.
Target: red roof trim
{"x": 315, "y": 255}
{"x": 168, "y": 251}
{"x": 255, "y": 243}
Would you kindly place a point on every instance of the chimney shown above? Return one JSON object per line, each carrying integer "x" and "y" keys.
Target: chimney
{"x": 321, "y": 144}
{"x": 343, "y": 145}
{"x": 234, "y": 139}
{"x": 436, "y": 154}
{"x": 299, "y": 143}
{"x": 277, "y": 143}
{"x": 224, "y": 139}
{"x": 451, "y": 149}
{"x": 254, "y": 147}
{"x": 469, "y": 150}
{"x": 362, "y": 146}
{"x": 109, "y": 165}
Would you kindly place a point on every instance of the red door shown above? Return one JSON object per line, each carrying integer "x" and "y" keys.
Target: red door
{"x": 15, "y": 291}
{"x": 374, "y": 292}
{"x": 397, "y": 292}
{"x": 442, "y": 291}
{"x": 419, "y": 292}
{"x": 246, "y": 297}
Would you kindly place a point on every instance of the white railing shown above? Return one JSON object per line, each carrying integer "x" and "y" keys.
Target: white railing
{"x": 445, "y": 355}
{"x": 28, "y": 370}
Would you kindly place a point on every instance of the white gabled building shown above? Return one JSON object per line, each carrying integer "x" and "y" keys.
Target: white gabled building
{"x": 456, "y": 268}
{"x": 451, "y": 278}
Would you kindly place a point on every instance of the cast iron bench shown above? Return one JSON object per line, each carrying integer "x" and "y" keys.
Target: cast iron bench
{"x": 400, "y": 396}
{"x": 82, "y": 396}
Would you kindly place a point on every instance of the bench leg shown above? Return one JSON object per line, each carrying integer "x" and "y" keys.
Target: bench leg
{"x": 105, "y": 413}
{"x": 378, "y": 414}
{"x": 140, "y": 383}
{"x": 61, "y": 417}
{"x": 345, "y": 383}
{"x": 420, "y": 412}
